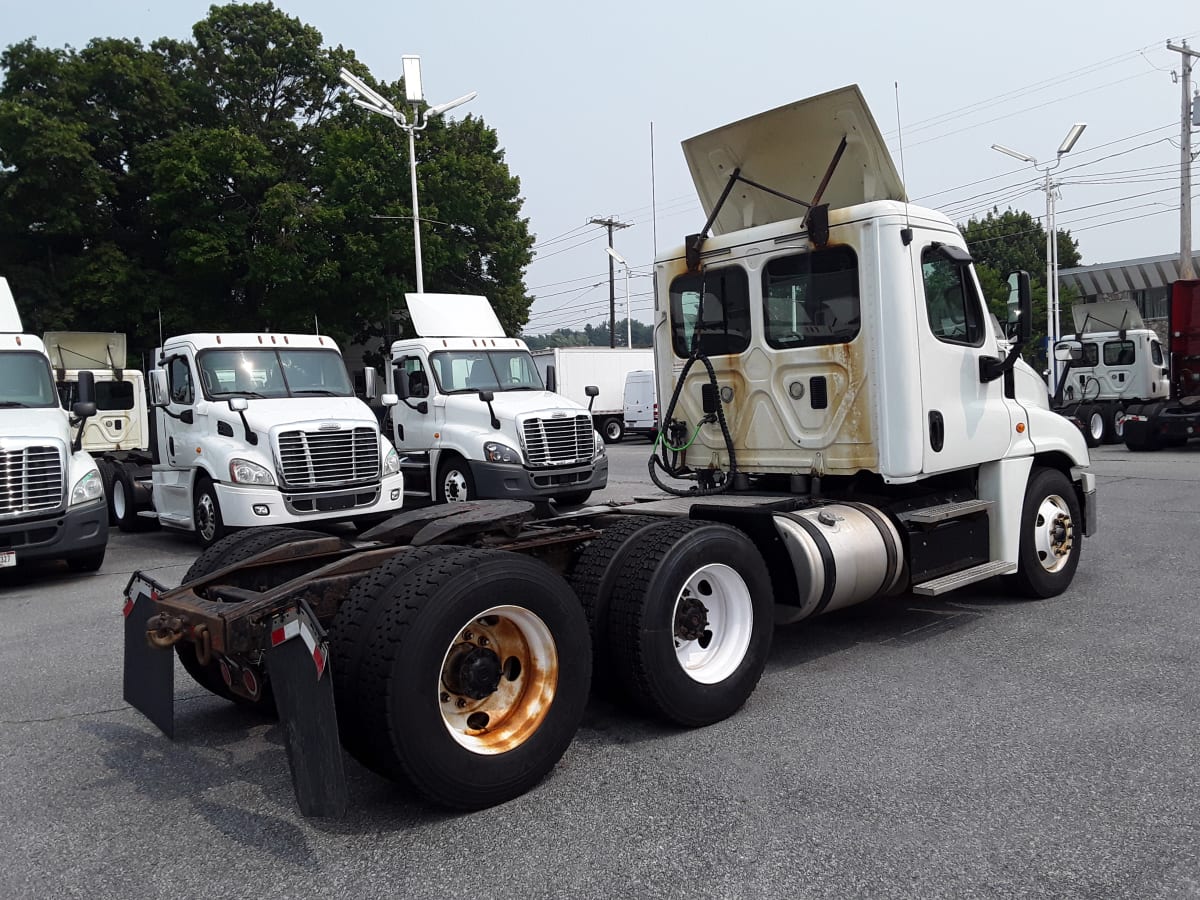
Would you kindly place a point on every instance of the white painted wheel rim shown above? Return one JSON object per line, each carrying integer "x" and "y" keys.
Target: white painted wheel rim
{"x": 1053, "y": 533}
{"x": 1119, "y": 425}
{"x": 730, "y": 613}
{"x": 1096, "y": 425}
{"x": 454, "y": 487}
{"x": 514, "y": 711}
{"x": 206, "y": 517}
{"x": 120, "y": 504}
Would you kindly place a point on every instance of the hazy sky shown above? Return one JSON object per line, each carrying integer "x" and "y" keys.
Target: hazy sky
{"x": 572, "y": 90}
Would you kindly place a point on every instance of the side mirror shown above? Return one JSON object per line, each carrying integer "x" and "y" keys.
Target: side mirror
{"x": 593, "y": 392}
{"x": 388, "y": 399}
{"x": 1020, "y": 307}
{"x": 158, "y": 388}
{"x": 238, "y": 404}
{"x": 551, "y": 380}
{"x": 403, "y": 391}
{"x": 370, "y": 383}
{"x": 1068, "y": 351}
{"x": 487, "y": 396}
{"x": 85, "y": 406}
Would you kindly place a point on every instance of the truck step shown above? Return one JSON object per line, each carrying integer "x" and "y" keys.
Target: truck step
{"x": 962, "y": 579}
{"x": 931, "y": 515}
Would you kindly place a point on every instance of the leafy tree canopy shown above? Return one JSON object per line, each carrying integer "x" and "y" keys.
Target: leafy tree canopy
{"x": 228, "y": 183}
{"x": 592, "y": 336}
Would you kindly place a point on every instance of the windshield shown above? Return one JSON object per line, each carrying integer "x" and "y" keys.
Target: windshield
{"x": 272, "y": 373}
{"x": 25, "y": 381}
{"x": 458, "y": 371}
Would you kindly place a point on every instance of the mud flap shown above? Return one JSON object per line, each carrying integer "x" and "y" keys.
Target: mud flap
{"x": 304, "y": 697}
{"x": 148, "y": 680}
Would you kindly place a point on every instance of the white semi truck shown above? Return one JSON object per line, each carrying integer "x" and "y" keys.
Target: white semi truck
{"x": 569, "y": 371}
{"x": 52, "y": 502}
{"x": 475, "y": 418}
{"x": 247, "y": 429}
{"x": 841, "y": 423}
{"x": 1121, "y": 363}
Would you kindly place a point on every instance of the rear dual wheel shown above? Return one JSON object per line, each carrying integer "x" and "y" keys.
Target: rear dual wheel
{"x": 466, "y": 676}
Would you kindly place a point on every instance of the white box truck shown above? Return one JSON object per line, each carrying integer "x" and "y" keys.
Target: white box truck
{"x": 570, "y": 370}
{"x": 475, "y": 418}
{"x": 247, "y": 429}
{"x": 51, "y": 494}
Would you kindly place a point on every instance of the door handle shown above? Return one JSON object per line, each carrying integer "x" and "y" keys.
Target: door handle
{"x": 937, "y": 431}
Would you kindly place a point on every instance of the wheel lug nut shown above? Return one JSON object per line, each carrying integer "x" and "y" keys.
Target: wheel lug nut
{"x": 483, "y": 642}
{"x": 467, "y": 635}
{"x": 445, "y": 697}
{"x": 460, "y": 702}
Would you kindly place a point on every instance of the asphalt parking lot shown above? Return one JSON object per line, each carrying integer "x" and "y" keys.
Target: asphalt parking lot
{"x": 968, "y": 746}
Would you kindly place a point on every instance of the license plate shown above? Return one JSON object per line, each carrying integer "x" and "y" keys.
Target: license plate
{"x": 8, "y": 558}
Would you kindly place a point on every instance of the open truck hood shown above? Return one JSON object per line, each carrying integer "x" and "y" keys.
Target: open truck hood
{"x": 453, "y": 315}
{"x": 85, "y": 349}
{"x": 10, "y": 319}
{"x": 789, "y": 149}
{"x": 1107, "y": 315}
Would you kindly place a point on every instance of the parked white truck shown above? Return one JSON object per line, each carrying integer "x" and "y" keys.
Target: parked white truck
{"x": 1121, "y": 363}
{"x": 842, "y": 424}
{"x": 475, "y": 418}
{"x": 51, "y": 495}
{"x": 569, "y": 371}
{"x": 247, "y": 429}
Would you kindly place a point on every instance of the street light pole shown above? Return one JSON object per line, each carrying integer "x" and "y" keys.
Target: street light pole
{"x": 1052, "y": 311}
{"x": 369, "y": 99}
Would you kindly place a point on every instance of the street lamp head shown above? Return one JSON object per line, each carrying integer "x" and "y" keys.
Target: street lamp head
{"x": 412, "y": 79}
{"x": 1014, "y": 154}
{"x": 365, "y": 91}
{"x": 1071, "y": 138}
{"x": 446, "y": 107}
{"x": 616, "y": 256}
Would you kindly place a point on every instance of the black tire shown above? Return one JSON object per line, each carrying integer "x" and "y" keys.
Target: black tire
{"x": 572, "y": 498}
{"x": 350, "y": 634}
{"x": 86, "y": 562}
{"x": 455, "y": 482}
{"x": 233, "y": 549}
{"x": 671, "y": 566}
{"x": 411, "y": 701}
{"x": 207, "y": 522}
{"x": 593, "y": 575}
{"x": 106, "y": 478}
{"x": 612, "y": 430}
{"x": 1051, "y": 535}
{"x": 1142, "y": 437}
{"x": 124, "y": 502}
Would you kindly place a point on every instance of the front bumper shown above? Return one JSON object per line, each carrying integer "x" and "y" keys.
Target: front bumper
{"x": 500, "y": 481}
{"x": 246, "y": 505}
{"x": 77, "y": 530}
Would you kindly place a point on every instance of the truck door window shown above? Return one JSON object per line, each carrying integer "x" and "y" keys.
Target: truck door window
{"x": 418, "y": 378}
{"x": 1118, "y": 353}
{"x": 811, "y": 298}
{"x": 1156, "y": 354}
{"x": 179, "y": 381}
{"x": 951, "y": 301}
{"x": 725, "y": 327}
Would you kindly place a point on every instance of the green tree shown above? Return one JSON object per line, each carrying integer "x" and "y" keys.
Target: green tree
{"x": 1003, "y": 242}
{"x": 228, "y": 183}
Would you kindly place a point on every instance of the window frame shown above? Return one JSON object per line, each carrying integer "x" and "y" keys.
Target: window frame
{"x": 770, "y": 334}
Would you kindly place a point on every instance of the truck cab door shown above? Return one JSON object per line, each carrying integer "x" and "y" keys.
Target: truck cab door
{"x": 176, "y": 442}
{"x": 966, "y": 419}
{"x": 414, "y": 429}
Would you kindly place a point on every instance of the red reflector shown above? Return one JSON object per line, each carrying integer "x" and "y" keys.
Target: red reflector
{"x": 319, "y": 659}
{"x": 249, "y": 682}
{"x": 278, "y": 636}
{"x": 128, "y": 608}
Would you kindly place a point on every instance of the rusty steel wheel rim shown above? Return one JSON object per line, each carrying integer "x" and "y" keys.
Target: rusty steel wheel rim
{"x": 498, "y": 680}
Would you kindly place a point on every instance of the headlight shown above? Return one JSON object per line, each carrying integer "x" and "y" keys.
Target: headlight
{"x": 89, "y": 487}
{"x": 598, "y": 441}
{"x": 242, "y": 471}
{"x": 391, "y": 462}
{"x": 500, "y": 453}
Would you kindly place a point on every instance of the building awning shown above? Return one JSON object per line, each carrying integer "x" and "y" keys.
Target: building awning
{"x": 1123, "y": 277}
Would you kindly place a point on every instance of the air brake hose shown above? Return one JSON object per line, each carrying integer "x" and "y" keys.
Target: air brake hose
{"x": 661, "y": 445}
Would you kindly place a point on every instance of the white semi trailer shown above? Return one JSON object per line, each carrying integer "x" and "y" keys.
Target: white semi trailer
{"x": 569, "y": 371}
{"x": 841, "y": 423}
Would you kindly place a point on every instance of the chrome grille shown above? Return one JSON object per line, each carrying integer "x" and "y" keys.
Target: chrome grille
{"x": 31, "y": 480}
{"x": 558, "y": 442}
{"x": 323, "y": 458}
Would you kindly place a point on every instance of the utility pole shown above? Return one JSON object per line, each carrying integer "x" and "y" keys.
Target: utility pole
{"x": 1187, "y": 271}
{"x": 611, "y": 224}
